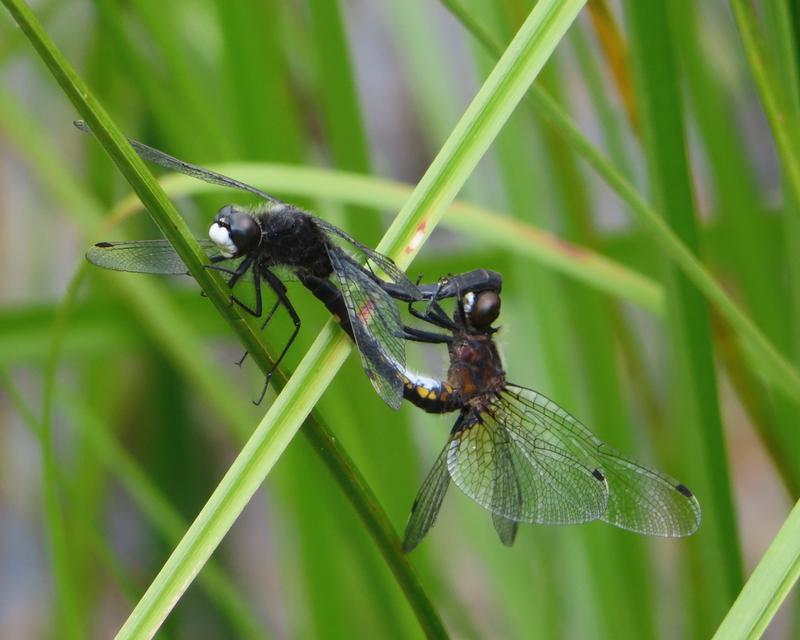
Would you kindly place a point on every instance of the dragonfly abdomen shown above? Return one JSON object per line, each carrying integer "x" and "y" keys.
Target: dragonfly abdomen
{"x": 429, "y": 394}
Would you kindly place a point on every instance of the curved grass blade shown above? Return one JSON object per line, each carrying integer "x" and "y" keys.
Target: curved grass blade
{"x": 486, "y": 225}
{"x": 778, "y": 108}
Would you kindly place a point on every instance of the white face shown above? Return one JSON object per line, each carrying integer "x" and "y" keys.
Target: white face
{"x": 469, "y": 301}
{"x": 221, "y": 237}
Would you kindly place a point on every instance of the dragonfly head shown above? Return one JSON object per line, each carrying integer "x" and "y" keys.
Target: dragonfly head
{"x": 234, "y": 231}
{"x": 481, "y": 309}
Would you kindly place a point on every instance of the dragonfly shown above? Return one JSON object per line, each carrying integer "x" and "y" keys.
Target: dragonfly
{"x": 275, "y": 237}
{"x": 514, "y": 451}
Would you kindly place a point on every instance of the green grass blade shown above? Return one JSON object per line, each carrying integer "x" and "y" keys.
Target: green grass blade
{"x": 612, "y": 44}
{"x": 783, "y": 118}
{"x": 264, "y": 119}
{"x": 768, "y": 586}
{"x": 613, "y": 124}
{"x": 69, "y": 621}
{"x": 494, "y": 103}
{"x": 347, "y": 139}
{"x": 625, "y": 578}
{"x": 187, "y": 87}
{"x": 155, "y": 93}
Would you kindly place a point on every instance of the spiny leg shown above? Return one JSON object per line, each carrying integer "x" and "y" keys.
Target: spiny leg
{"x": 418, "y": 335}
{"x": 434, "y": 307}
{"x": 431, "y": 315}
{"x": 235, "y": 274}
{"x": 216, "y": 267}
{"x": 280, "y": 290}
{"x": 433, "y": 312}
{"x": 257, "y": 311}
{"x": 263, "y": 326}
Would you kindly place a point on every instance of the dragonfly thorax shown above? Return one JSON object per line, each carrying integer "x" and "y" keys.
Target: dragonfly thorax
{"x": 292, "y": 238}
{"x": 475, "y": 367}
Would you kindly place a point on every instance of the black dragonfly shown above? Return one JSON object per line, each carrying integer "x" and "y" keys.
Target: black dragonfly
{"x": 276, "y": 236}
{"x": 514, "y": 451}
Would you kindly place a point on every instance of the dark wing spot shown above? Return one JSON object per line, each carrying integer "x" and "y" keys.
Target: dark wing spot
{"x": 599, "y": 475}
{"x": 684, "y": 490}
{"x": 104, "y": 245}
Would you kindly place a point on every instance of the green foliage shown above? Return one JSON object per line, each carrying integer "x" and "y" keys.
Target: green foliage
{"x": 672, "y": 333}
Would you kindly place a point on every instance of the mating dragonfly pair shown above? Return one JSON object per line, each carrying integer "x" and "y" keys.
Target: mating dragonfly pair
{"x": 512, "y": 450}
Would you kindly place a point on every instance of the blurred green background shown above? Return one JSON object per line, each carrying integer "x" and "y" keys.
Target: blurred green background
{"x": 375, "y": 88}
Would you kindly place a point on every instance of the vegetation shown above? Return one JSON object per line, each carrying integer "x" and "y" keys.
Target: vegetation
{"x": 640, "y": 198}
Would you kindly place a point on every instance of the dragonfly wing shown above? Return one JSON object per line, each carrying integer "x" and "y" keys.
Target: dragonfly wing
{"x": 640, "y": 499}
{"x": 507, "y": 485}
{"x": 141, "y": 256}
{"x": 521, "y": 477}
{"x": 377, "y": 327}
{"x": 373, "y": 261}
{"x": 172, "y": 163}
{"x": 506, "y": 529}
{"x": 427, "y": 503}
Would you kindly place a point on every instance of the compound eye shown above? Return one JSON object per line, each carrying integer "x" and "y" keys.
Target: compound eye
{"x": 234, "y": 231}
{"x": 245, "y": 231}
{"x": 484, "y": 309}
{"x": 225, "y": 214}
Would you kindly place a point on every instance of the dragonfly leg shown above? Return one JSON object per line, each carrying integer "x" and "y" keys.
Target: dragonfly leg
{"x": 258, "y": 309}
{"x": 216, "y": 267}
{"x": 243, "y": 266}
{"x": 418, "y": 335}
{"x": 263, "y": 326}
{"x": 280, "y": 290}
{"x": 235, "y": 276}
{"x": 433, "y": 313}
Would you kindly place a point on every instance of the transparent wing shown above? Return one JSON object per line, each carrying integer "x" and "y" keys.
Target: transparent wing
{"x": 506, "y": 485}
{"x": 640, "y": 499}
{"x": 403, "y": 287}
{"x": 172, "y": 163}
{"x": 427, "y": 503}
{"x": 506, "y": 529}
{"x": 377, "y": 327}
{"x": 141, "y": 256}
{"x": 521, "y": 477}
